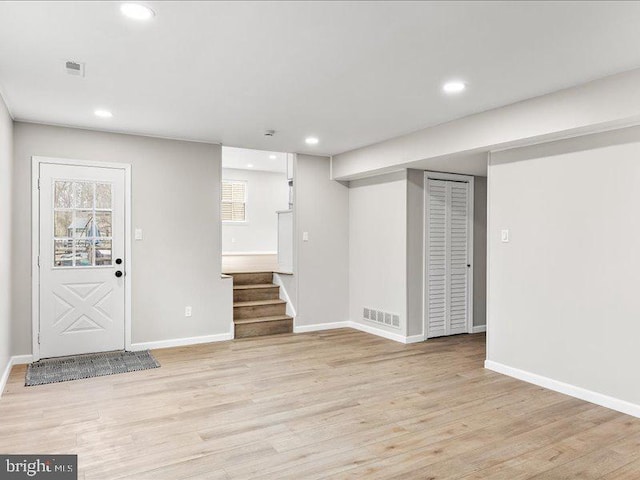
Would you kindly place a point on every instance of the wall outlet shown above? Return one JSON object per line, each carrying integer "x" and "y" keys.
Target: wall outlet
{"x": 187, "y": 311}
{"x": 504, "y": 235}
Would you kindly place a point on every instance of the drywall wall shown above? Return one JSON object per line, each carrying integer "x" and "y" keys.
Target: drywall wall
{"x": 458, "y": 146}
{"x": 176, "y": 202}
{"x": 480, "y": 251}
{"x": 6, "y": 160}
{"x": 267, "y": 192}
{"x": 378, "y": 248}
{"x": 322, "y": 262}
{"x": 386, "y": 240}
{"x": 563, "y": 292}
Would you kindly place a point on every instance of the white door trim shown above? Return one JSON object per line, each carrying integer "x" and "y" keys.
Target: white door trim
{"x": 36, "y": 161}
{"x": 470, "y": 210}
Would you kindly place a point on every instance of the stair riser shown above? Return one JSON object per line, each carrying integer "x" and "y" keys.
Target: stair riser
{"x": 251, "y": 278}
{"x": 256, "y": 294}
{"x": 259, "y": 311}
{"x": 263, "y": 328}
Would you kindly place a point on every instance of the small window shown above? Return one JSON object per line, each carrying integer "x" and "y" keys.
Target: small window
{"x": 234, "y": 201}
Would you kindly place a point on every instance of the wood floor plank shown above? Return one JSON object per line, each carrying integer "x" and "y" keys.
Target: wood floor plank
{"x": 338, "y": 404}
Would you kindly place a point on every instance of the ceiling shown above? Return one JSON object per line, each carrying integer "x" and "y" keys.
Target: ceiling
{"x": 351, "y": 73}
{"x": 247, "y": 159}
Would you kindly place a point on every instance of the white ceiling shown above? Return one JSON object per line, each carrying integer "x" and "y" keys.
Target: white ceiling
{"x": 247, "y": 159}
{"x": 351, "y": 73}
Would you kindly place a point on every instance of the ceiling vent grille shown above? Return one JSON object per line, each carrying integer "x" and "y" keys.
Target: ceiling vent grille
{"x": 74, "y": 68}
{"x": 381, "y": 317}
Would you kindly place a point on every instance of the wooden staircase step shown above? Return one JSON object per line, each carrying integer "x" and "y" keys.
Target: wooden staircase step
{"x": 251, "y": 278}
{"x": 259, "y": 308}
{"x": 257, "y": 327}
{"x": 273, "y": 318}
{"x": 262, "y": 291}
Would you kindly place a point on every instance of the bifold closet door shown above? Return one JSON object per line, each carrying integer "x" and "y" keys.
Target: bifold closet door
{"x": 447, "y": 265}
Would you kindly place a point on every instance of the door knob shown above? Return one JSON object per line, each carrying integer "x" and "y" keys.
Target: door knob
{"x": 118, "y": 261}
{"x": 118, "y": 273}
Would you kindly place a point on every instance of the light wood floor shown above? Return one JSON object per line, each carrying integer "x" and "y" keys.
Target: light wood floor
{"x": 339, "y": 404}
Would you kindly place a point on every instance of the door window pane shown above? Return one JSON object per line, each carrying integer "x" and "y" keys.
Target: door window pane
{"x": 103, "y": 252}
{"x": 83, "y": 224}
{"x": 84, "y": 253}
{"x": 83, "y": 197}
{"x": 103, "y": 224}
{"x": 63, "y": 253}
{"x": 103, "y": 195}
{"x": 62, "y": 224}
{"x": 63, "y": 193}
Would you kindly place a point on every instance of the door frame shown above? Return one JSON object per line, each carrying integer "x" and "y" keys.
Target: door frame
{"x": 36, "y": 161}
{"x": 470, "y": 210}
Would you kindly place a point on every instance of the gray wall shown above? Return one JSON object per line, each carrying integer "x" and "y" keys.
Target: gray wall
{"x": 378, "y": 248}
{"x": 321, "y": 207}
{"x": 563, "y": 292}
{"x": 386, "y": 228}
{"x": 6, "y": 159}
{"x": 176, "y": 197}
{"x": 480, "y": 251}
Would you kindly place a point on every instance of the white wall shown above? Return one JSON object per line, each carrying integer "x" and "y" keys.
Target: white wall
{"x": 378, "y": 248}
{"x": 322, "y": 263}
{"x": 267, "y": 192}
{"x": 563, "y": 293}
{"x": 176, "y": 201}
{"x": 6, "y": 160}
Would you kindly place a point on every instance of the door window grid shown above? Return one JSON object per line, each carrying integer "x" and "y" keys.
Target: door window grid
{"x": 82, "y": 223}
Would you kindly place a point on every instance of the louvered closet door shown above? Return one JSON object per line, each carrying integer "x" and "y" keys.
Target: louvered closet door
{"x": 447, "y": 257}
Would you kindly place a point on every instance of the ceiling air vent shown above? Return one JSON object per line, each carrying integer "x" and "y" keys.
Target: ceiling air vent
{"x": 75, "y": 68}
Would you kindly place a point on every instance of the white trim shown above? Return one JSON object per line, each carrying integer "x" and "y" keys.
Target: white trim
{"x": 379, "y": 332}
{"x": 415, "y": 338}
{"x": 235, "y": 254}
{"x": 470, "y": 244}
{"x": 320, "y": 326}
{"x": 478, "y": 328}
{"x": 568, "y": 389}
{"x": 15, "y": 360}
{"x": 182, "y": 342}
{"x": 36, "y": 161}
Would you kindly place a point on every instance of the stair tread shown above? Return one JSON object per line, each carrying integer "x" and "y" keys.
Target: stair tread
{"x": 255, "y": 303}
{"x": 249, "y": 272}
{"x": 272, "y": 318}
{"x": 255, "y": 285}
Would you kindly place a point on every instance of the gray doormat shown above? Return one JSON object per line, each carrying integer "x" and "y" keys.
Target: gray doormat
{"x": 52, "y": 370}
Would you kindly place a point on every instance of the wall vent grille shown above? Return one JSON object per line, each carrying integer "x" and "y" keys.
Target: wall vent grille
{"x": 379, "y": 316}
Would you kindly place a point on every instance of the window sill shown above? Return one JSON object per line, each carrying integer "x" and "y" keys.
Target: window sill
{"x": 236, "y": 224}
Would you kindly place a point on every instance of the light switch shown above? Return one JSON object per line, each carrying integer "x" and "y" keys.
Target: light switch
{"x": 305, "y": 236}
{"x": 504, "y": 235}
{"x": 138, "y": 234}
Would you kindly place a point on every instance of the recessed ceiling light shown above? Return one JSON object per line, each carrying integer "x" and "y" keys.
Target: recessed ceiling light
{"x": 311, "y": 140}
{"x": 103, "y": 113}
{"x": 136, "y": 11}
{"x": 272, "y": 157}
{"x": 454, "y": 87}
{"x": 250, "y": 165}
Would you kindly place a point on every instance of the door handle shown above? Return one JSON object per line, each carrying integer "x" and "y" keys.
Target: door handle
{"x": 119, "y": 273}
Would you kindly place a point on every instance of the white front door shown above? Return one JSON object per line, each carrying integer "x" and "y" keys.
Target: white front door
{"x": 448, "y": 265}
{"x": 81, "y": 259}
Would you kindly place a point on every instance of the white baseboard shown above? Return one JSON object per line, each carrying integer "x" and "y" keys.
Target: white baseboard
{"x": 478, "y": 328}
{"x": 414, "y": 338}
{"x": 15, "y": 360}
{"x": 181, "y": 342}
{"x": 379, "y": 332}
{"x": 253, "y": 254}
{"x": 320, "y": 326}
{"x": 568, "y": 389}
